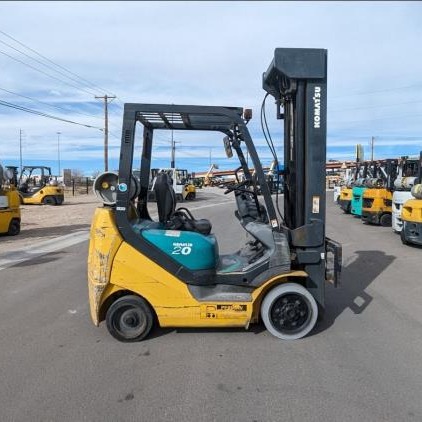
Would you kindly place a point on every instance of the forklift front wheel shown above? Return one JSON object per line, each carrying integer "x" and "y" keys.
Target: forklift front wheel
{"x": 14, "y": 227}
{"x": 129, "y": 319}
{"x": 385, "y": 220}
{"x": 289, "y": 311}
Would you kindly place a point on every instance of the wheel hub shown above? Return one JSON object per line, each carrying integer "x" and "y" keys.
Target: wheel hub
{"x": 290, "y": 312}
{"x": 131, "y": 322}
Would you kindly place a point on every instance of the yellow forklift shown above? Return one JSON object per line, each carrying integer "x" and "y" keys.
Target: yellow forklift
{"x": 378, "y": 197}
{"x": 143, "y": 272}
{"x": 10, "y": 213}
{"x": 37, "y": 186}
{"x": 184, "y": 188}
{"x": 411, "y": 215}
{"x": 408, "y": 175}
{"x": 346, "y": 193}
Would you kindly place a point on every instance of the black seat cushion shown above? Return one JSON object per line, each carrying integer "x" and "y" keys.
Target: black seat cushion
{"x": 165, "y": 196}
{"x": 180, "y": 219}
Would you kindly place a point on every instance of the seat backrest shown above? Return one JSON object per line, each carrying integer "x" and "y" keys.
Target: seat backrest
{"x": 165, "y": 197}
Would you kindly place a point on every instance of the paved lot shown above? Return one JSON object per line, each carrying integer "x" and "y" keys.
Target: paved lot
{"x": 362, "y": 363}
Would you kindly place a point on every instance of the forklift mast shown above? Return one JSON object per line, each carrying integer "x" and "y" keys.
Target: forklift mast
{"x": 391, "y": 171}
{"x": 420, "y": 168}
{"x": 365, "y": 171}
{"x": 297, "y": 79}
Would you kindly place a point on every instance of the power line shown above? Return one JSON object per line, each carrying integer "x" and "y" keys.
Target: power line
{"x": 39, "y": 113}
{"x": 45, "y": 73}
{"x": 43, "y": 64}
{"x": 378, "y": 118}
{"x": 49, "y": 105}
{"x": 377, "y": 91}
{"x": 371, "y": 107}
{"x": 55, "y": 64}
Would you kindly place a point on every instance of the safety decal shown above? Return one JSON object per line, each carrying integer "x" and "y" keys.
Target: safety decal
{"x": 232, "y": 310}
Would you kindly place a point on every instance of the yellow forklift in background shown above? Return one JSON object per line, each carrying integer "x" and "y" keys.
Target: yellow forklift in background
{"x": 183, "y": 186}
{"x": 378, "y": 197}
{"x": 36, "y": 185}
{"x": 408, "y": 174}
{"x": 10, "y": 213}
{"x": 411, "y": 215}
{"x": 346, "y": 193}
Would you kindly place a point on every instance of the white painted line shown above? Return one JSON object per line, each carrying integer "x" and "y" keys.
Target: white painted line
{"x": 206, "y": 206}
{"x": 10, "y": 258}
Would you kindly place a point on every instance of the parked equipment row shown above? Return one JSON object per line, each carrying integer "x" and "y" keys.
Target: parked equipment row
{"x": 389, "y": 195}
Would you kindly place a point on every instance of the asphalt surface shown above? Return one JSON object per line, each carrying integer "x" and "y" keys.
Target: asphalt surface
{"x": 361, "y": 363}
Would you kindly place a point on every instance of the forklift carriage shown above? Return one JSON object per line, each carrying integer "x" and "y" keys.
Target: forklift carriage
{"x": 169, "y": 271}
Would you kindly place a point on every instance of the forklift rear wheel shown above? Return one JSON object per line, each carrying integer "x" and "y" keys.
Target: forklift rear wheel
{"x": 385, "y": 220}
{"x": 289, "y": 311}
{"x": 129, "y": 319}
{"x": 49, "y": 200}
{"x": 14, "y": 227}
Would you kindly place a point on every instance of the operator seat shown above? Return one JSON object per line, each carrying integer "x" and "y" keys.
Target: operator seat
{"x": 180, "y": 219}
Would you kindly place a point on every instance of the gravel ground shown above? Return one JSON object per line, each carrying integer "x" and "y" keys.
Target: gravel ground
{"x": 44, "y": 222}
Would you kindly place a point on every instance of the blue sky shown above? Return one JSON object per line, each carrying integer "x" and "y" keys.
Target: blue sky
{"x": 211, "y": 53}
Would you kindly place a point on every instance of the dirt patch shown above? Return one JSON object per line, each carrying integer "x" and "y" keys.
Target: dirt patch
{"x": 44, "y": 222}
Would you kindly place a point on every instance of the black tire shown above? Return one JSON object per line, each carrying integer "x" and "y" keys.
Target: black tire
{"x": 129, "y": 319}
{"x": 14, "y": 227}
{"x": 403, "y": 237}
{"x": 59, "y": 200}
{"x": 385, "y": 220}
{"x": 49, "y": 200}
{"x": 289, "y": 311}
{"x": 348, "y": 208}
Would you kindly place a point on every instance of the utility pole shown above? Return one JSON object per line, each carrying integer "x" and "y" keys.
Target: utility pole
{"x": 58, "y": 150}
{"x": 173, "y": 151}
{"x": 106, "y": 98}
{"x": 372, "y": 148}
{"x": 20, "y": 149}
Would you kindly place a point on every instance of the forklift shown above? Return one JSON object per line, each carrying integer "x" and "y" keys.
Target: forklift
{"x": 408, "y": 174}
{"x": 183, "y": 187}
{"x": 10, "y": 213}
{"x": 143, "y": 272}
{"x": 378, "y": 198}
{"x": 346, "y": 193}
{"x": 36, "y": 185}
{"x": 411, "y": 215}
{"x": 360, "y": 187}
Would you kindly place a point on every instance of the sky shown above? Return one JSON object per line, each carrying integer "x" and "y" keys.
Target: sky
{"x": 55, "y": 57}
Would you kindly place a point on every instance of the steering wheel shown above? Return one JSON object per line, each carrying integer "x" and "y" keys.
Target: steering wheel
{"x": 238, "y": 187}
